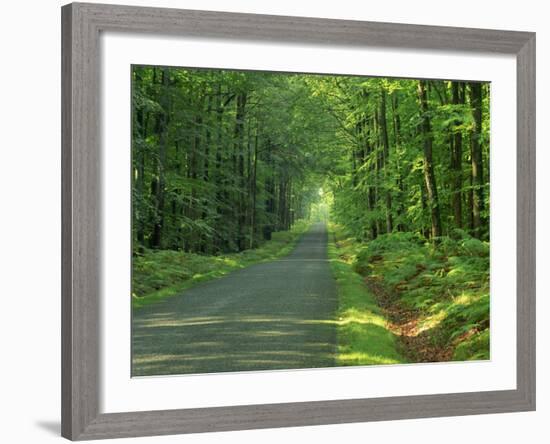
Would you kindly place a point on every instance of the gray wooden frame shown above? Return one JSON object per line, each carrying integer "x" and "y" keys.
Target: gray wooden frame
{"x": 81, "y": 165}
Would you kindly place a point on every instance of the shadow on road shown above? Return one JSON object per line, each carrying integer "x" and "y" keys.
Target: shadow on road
{"x": 275, "y": 315}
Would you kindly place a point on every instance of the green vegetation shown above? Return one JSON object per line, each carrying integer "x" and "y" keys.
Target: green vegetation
{"x": 437, "y": 294}
{"x": 163, "y": 273}
{"x": 225, "y": 162}
{"x": 362, "y": 329}
{"x": 221, "y": 159}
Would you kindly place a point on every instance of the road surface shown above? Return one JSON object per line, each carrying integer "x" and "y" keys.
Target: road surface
{"x": 273, "y": 315}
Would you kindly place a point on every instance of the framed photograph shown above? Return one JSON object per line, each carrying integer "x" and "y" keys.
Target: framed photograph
{"x": 278, "y": 221}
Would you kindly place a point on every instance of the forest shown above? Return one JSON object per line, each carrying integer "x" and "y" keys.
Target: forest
{"x": 230, "y": 167}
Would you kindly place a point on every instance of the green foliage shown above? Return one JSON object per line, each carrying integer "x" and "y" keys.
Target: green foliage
{"x": 363, "y": 336}
{"x": 379, "y": 188}
{"x": 223, "y": 159}
{"x": 475, "y": 348}
{"x": 446, "y": 284}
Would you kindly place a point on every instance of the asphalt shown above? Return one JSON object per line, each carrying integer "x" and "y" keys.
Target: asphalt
{"x": 273, "y": 315}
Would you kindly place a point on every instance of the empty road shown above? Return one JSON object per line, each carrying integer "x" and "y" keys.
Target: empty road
{"x": 273, "y": 315}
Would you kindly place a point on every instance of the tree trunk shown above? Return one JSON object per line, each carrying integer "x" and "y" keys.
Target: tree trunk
{"x": 282, "y": 205}
{"x": 193, "y": 243}
{"x": 253, "y": 188}
{"x": 205, "y": 241}
{"x": 220, "y": 244}
{"x": 397, "y": 139}
{"x": 207, "y": 141}
{"x": 456, "y": 159}
{"x": 269, "y": 193}
{"x": 386, "y": 157}
{"x": 158, "y": 182}
{"x": 429, "y": 176}
{"x": 371, "y": 191}
{"x": 240, "y": 182}
{"x": 142, "y": 119}
{"x": 477, "y": 159}
{"x": 379, "y": 153}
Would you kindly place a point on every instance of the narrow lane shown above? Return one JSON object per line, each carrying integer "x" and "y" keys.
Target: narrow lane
{"x": 274, "y": 315}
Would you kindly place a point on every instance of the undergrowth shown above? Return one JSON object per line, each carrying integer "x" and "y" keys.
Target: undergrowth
{"x": 444, "y": 286}
{"x": 363, "y": 336}
{"x": 157, "y": 274}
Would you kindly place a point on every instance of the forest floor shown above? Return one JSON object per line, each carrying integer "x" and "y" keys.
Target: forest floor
{"x": 364, "y": 336}
{"x": 273, "y": 315}
{"x": 435, "y": 298}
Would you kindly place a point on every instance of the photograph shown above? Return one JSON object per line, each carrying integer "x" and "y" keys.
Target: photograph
{"x": 299, "y": 221}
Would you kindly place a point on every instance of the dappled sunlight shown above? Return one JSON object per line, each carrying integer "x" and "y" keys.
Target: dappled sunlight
{"x": 249, "y": 320}
{"x": 428, "y": 323}
{"x": 272, "y": 333}
{"x": 230, "y": 262}
{"x": 436, "y": 294}
{"x": 363, "y": 334}
{"x": 358, "y": 358}
{"x": 465, "y": 299}
{"x": 179, "y": 323}
{"x": 361, "y": 317}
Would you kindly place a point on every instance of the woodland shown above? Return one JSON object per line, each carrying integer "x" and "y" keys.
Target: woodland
{"x": 230, "y": 167}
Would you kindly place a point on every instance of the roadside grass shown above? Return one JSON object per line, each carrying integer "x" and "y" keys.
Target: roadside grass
{"x": 363, "y": 336}
{"x": 446, "y": 284}
{"x": 158, "y": 274}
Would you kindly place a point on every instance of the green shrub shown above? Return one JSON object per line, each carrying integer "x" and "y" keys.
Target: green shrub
{"x": 474, "y": 348}
{"x": 446, "y": 283}
{"x": 475, "y": 247}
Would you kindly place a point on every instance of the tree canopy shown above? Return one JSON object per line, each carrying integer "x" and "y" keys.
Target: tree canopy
{"x": 222, "y": 159}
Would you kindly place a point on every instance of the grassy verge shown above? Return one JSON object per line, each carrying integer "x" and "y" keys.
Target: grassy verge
{"x": 439, "y": 294}
{"x": 158, "y": 274}
{"x": 363, "y": 336}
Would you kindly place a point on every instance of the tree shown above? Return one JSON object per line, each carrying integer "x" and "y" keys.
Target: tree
{"x": 477, "y": 158}
{"x": 456, "y": 156}
{"x": 222, "y": 159}
{"x": 429, "y": 176}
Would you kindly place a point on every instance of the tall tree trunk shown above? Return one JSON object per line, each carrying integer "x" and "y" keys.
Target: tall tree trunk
{"x": 386, "y": 156}
{"x": 142, "y": 118}
{"x": 158, "y": 182}
{"x": 221, "y": 191}
{"x": 470, "y": 203}
{"x": 207, "y": 141}
{"x": 425, "y": 229}
{"x": 254, "y": 188}
{"x": 379, "y": 165}
{"x": 240, "y": 183}
{"x": 205, "y": 241}
{"x": 371, "y": 191}
{"x": 429, "y": 175}
{"x": 281, "y": 207}
{"x": 397, "y": 140}
{"x": 477, "y": 158}
{"x": 269, "y": 193}
{"x": 194, "y": 173}
{"x": 456, "y": 159}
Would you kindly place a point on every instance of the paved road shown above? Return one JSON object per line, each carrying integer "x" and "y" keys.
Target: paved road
{"x": 274, "y": 315}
